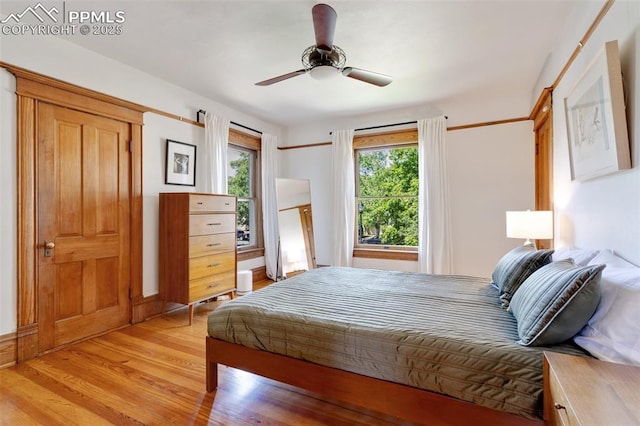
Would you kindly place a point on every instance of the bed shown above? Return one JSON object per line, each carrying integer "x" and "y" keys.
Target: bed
{"x": 426, "y": 348}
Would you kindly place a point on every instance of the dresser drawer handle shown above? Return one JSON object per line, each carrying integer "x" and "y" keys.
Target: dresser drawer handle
{"x": 214, "y": 224}
{"x": 559, "y": 406}
{"x": 213, "y": 265}
{"x": 214, "y": 244}
{"x": 213, "y": 285}
{"x": 200, "y": 203}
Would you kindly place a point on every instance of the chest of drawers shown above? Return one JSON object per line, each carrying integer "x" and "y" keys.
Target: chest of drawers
{"x": 197, "y": 247}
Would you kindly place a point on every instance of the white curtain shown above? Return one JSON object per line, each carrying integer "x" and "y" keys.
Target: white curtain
{"x": 216, "y": 139}
{"x": 343, "y": 197}
{"x": 434, "y": 224}
{"x": 270, "y": 171}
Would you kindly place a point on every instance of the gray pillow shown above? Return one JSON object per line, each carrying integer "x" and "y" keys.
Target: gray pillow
{"x": 515, "y": 267}
{"x": 555, "y": 302}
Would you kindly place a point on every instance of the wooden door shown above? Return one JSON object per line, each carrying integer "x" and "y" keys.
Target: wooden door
{"x": 83, "y": 215}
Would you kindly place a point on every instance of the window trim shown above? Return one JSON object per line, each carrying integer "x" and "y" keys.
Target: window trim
{"x": 388, "y": 254}
{"x": 392, "y": 139}
{"x": 377, "y": 140}
{"x": 244, "y": 141}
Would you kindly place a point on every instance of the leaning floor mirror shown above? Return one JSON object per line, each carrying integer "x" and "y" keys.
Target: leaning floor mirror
{"x": 295, "y": 221}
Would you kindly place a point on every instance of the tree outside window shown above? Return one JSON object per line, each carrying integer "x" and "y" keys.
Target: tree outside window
{"x": 387, "y": 200}
{"x": 240, "y": 183}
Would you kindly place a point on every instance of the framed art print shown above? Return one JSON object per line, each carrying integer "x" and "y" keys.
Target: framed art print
{"x": 596, "y": 120}
{"x": 180, "y": 168}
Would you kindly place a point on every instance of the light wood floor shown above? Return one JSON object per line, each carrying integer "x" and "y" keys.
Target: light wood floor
{"x": 153, "y": 373}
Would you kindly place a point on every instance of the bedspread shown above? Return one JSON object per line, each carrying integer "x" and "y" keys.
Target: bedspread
{"x": 446, "y": 334}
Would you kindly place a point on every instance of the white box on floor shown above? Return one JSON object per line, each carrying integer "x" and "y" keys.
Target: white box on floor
{"x": 244, "y": 283}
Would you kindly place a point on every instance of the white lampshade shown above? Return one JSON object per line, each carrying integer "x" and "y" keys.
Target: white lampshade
{"x": 530, "y": 225}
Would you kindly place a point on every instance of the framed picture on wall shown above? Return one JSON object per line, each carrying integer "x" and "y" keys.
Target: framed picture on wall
{"x": 596, "y": 120}
{"x": 180, "y": 164}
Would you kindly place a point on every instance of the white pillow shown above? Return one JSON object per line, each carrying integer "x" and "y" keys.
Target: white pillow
{"x": 606, "y": 257}
{"x": 613, "y": 332}
{"x": 581, "y": 257}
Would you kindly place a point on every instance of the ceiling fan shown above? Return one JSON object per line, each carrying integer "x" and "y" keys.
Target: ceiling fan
{"x": 324, "y": 59}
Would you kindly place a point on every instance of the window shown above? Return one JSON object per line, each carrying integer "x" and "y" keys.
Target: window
{"x": 242, "y": 183}
{"x": 387, "y": 197}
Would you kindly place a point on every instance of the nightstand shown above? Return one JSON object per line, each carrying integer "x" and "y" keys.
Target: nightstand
{"x": 586, "y": 391}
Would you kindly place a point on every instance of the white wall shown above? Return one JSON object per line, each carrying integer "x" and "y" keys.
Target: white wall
{"x": 314, "y": 164}
{"x": 157, "y": 129}
{"x": 602, "y": 212}
{"x": 65, "y": 61}
{"x": 491, "y": 170}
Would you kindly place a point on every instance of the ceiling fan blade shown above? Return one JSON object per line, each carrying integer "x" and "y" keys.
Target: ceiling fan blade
{"x": 367, "y": 76}
{"x": 324, "y": 25}
{"x": 280, "y": 78}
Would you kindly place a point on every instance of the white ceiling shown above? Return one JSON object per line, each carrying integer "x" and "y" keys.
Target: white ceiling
{"x": 435, "y": 50}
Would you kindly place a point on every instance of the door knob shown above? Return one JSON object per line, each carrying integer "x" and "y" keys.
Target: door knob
{"x": 48, "y": 247}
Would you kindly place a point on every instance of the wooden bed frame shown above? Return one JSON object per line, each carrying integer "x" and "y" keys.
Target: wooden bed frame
{"x": 406, "y": 402}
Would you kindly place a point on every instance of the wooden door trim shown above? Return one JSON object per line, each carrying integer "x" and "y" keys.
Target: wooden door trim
{"x": 542, "y": 108}
{"x": 27, "y": 327}
{"x": 543, "y": 118}
{"x": 31, "y": 89}
{"x": 38, "y": 86}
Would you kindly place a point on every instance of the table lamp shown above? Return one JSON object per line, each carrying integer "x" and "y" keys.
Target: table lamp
{"x": 530, "y": 225}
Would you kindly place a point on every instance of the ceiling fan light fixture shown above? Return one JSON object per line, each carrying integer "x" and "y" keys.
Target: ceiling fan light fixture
{"x": 324, "y": 72}
{"x": 324, "y": 60}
